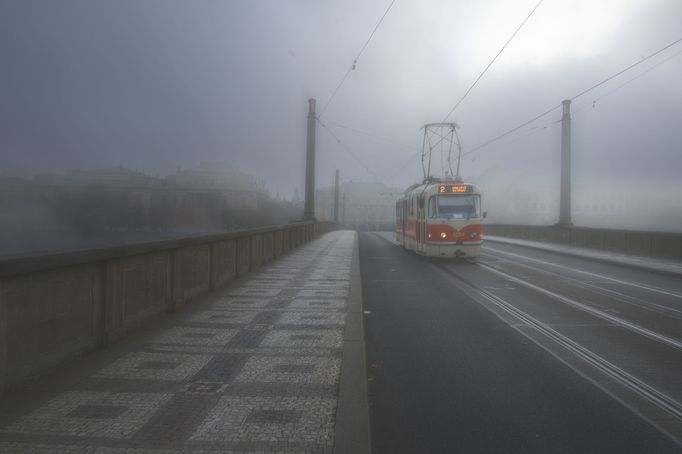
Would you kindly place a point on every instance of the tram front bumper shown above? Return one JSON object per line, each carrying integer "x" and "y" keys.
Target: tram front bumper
{"x": 464, "y": 250}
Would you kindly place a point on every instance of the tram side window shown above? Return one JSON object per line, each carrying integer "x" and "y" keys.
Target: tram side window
{"x": 455, "y": 206}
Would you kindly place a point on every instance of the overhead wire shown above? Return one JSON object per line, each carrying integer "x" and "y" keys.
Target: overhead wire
{"x": 500, "y": 136}
{"x": 385, "y": 139}
{"x": 352, "y": 67}
{"x": 540, "y": 128}
{"x": 355, "y": 61}
{"x": 369, "y": 134}
{"x": 404, "y": 166}
{"x": 345, "y": 76}
{"x": 346, "y": 148}
{"x": 626, "y": 69}
{"x": 558, "y": 106}
{"x": 643, "y": 73}
{"x": 505, "y": 134}
{"x": 492, "y": 61}
{"x": 524, "y": 134}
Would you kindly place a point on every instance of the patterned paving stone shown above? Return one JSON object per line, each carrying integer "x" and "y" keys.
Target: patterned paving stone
{"x": 198, "y": 451}
{"x": 221, "y": 316}
{"x": 91, "y": 414}
{"x": 44, "y": 448}
{"x": 267, "y": 317}
{"x": 268, "y": 283}
{"x": 329, "y": 277}
{"x": 181, "y": 415}
{"x": 194, "y": 349}
{"x": 256, "y": 350}
{"x": 293, "y": 270}
{"x": 221, "y": 369}
{"x": 327, "y": 285}
{"x": 323, "y": 293}
{"x": 255, "y": 370}
{"x": 195, "y": 336}
{"x": 155, "y": 366}
{"x": 287, "y": 293}
{"x": 250, "y": 338}
{"x": 312, "y": 318}
{"x": 309, "y": 338}
{"x": 241, "y": 303}
{"x": 317, "y": 304}
{"x": 193, "y": 451}
{"x": 269, "y": 419}
{"x": 269, "y": 273}
{"x": 250, "y": 291}
{"x": 204, "y": 388}
{"x": 307, "y": 369}
{"x": 334, "y": 270}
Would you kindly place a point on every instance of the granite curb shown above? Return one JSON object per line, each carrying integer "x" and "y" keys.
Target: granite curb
{"x": 352, "y": 432}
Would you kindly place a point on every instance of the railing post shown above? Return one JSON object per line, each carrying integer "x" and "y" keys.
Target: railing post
{"x": 211, "y": 274}
{"x": 101, "y": 308}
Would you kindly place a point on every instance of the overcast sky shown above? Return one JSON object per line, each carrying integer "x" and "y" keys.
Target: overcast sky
{"x": 157, "y": 84}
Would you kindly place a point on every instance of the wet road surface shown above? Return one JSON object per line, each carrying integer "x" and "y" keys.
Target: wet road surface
{"x": 520, "y": 351}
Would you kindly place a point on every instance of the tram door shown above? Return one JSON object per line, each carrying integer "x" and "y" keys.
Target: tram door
{"x": 421, "y": 226}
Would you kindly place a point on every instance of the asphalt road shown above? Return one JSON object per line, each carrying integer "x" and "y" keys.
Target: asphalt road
{"x": 520, "y": 352}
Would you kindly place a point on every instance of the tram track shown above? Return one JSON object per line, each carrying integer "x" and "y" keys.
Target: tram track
{"x": 640, "y": 388}
{"x": 500, "y": 351}
{"x": 615, "y": 295}
{"x": 674, "y": 343}
{"x": 649, "y": 288}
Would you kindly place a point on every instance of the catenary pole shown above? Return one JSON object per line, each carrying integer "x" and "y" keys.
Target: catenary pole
{"x": 343, "y": 210}
{"x": 565, "y": 195}
{"x": 309, "y": 209}
{"x": 336, "y": 197}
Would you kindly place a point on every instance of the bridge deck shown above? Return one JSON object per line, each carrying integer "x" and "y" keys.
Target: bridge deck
{"x": 256, "y": 367}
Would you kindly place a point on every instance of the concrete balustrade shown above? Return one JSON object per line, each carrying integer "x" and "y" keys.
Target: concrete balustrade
{"x": 651, "y": 244}
{"x": 56, "y": 306}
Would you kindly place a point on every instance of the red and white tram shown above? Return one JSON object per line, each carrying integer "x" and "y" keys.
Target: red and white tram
{"x": 441, "y": 219}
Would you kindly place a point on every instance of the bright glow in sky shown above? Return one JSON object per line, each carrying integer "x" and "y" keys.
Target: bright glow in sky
{"x": 557, "y": 30}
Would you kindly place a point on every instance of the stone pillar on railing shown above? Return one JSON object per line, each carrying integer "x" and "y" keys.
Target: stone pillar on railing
{"x": 256, "y": 252}
{"x": 243, "y": 256}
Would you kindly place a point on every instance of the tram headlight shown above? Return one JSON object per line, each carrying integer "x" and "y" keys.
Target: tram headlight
{"x": 472, "y": 235}
{"x": 443, "y": 235}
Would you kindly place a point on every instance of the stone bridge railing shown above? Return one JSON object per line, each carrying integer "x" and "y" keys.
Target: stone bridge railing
{"x": 55, "y": 306}
{"x": 652, "y": 244}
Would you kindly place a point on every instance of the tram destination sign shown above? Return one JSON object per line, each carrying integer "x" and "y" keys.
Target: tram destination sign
{"x": 455, "y": 188}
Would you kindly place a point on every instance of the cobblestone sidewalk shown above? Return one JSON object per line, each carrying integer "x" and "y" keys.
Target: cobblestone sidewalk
{"x": 253, "y": 369}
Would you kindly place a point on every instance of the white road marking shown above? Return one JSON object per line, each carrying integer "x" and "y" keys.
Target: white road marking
{"x": 638, "y": 302}
{"x": 601, "y": 314}
{"x": 600, "y": 276}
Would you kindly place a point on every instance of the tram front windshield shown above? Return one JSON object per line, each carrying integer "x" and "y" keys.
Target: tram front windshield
{"x": 455, "y": 207}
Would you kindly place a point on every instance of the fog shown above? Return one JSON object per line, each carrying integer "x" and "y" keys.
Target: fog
{"x": 159, "y": 85}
